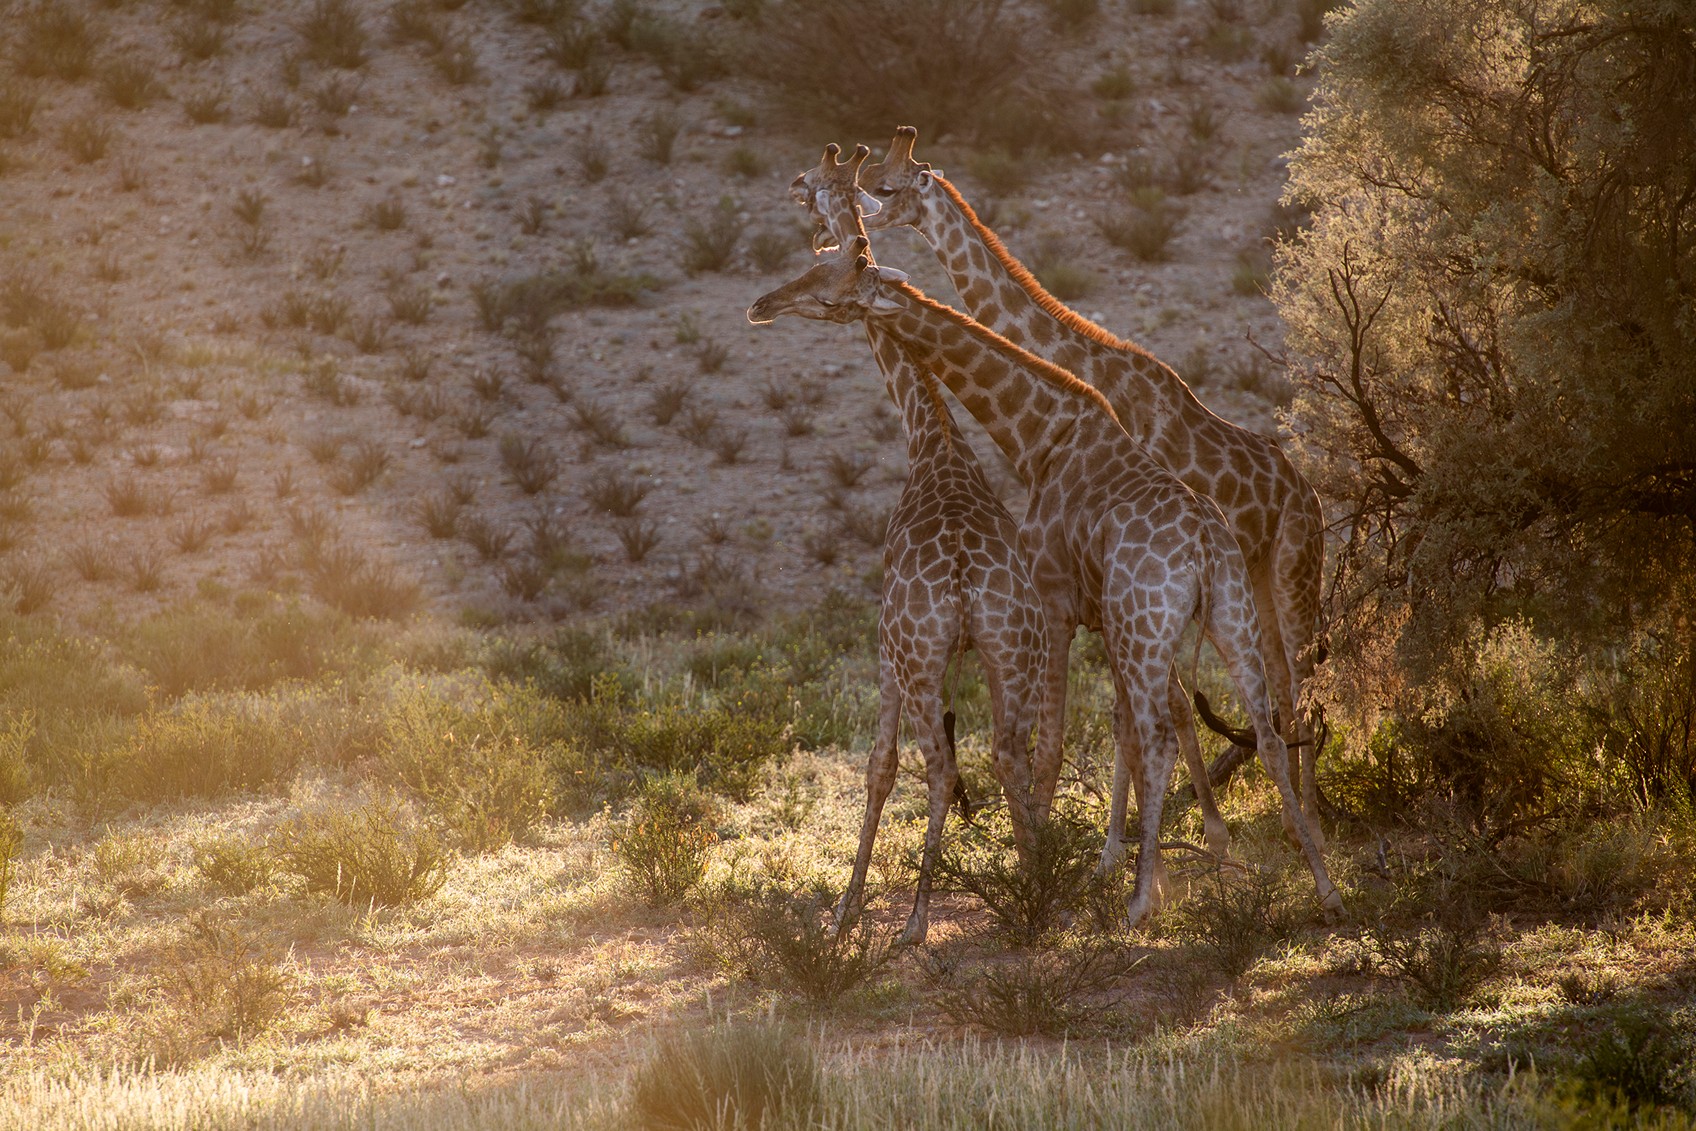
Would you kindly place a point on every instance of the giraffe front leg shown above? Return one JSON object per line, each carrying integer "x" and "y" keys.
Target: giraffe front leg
{"x": 881, "y": 769}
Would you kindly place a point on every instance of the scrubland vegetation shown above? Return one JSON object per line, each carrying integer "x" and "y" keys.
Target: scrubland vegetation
{"x": 436, "y": 660}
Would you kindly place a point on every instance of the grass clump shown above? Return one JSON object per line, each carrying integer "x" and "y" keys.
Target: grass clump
{"x": 333, "y": 34}
{"x": 11, "y": 844}
{"x": 375, "y": 853}
{"x": 665, "y": 837}
{"x": 476, "y": 768}
{"x": 234, "y": 865}
{"x": 733, "y": 1075}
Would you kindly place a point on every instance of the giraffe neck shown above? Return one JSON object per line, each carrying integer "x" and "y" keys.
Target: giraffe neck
{"x": 931, "y": 431}
{"x": 1028, "y": 407}
{"x": 1146, "y": 395}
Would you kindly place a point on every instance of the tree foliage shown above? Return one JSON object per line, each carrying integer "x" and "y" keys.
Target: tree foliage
{"x": 1492, "y": 326}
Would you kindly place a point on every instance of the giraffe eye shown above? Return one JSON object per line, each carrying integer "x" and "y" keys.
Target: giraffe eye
{"x": 884, "y": 190}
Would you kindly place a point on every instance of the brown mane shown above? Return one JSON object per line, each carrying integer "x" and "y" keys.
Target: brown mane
{"x": 1045, "y": 370}
{"x": 1056, "y": 309}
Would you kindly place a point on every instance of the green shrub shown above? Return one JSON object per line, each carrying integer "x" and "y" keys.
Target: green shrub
{"x": 562, "y": 666}
{"x": 1642, "y": 1057}
{"x": 202, "y": 747}
{"x": 378, "y": 853}
{"x": 616, "y": 738}
{"x": 1234, "y": 917}
{"x": 788, "y": 939}
{"x": 1047, "y": 993}
{"x": 733, "y": 1075}
{"x": 1442, "y": 962}
{"x": 478, "y": 771}
{"x": 1027, "y": 898}
{"x": 15, "y": 734}
{"x": 199, "y": 647}
{"x": 11, "y": 844}
{"x": 236, "y": 865}
{"x": 224, "y": 985}
{"x": 664, "y": 839}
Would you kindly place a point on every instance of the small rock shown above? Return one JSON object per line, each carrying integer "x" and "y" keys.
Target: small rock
{"x": 446, "y": 181}
{"x": 733, "y": 131}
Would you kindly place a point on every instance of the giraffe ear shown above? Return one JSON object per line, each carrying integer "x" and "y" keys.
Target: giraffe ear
{"x": 869, "y": 204}
{"x": 892, "y": 275}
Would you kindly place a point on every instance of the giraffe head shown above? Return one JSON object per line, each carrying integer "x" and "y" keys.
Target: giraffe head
{"x": 898, "y": 183}
{"x": 823, "y": 188}
{"x": 843, "y": 288}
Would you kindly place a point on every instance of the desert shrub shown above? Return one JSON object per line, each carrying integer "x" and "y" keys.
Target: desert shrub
{"x": 1441, "y": 960}
{"x": 333, "y": 34}
{"x": 221, "y": 985}
{"x": 15, "y": 733}
{"x": 562, "y": 666}
{"x": 972, "y": 67}
{"x": 11, "y": 844}
{"x": 55, "y": 39}
{"x": 1641, "y": 1057}
{"x": 1644, "y": 704}
{"x": 710, "y": 244}
{"x": 233, "y": 864}
{"x": 528, "y": 302}
{"x": 732, "y": 1075}
{"x": 1048, "y": 993}
{"x": 724, "y": 741}
{"x": 663, "y": 841}
{"x": 1501, "y": 744}
{"x": 378, "y": 852}
{"x": 202, "y": 747}
{"x": 199, "y": 647}
{"x": 1234, "y": 916}
{"x": 473, "y": 763}
{"x": 1143, "y": 226}
{"x": 1027, "y": 898}
{"x": 788, "y": 939}
{"x": 345, "y": 579}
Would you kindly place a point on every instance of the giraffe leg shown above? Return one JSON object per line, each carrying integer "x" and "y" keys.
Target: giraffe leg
{"x": 940, "y": 775}
{"x": 881, "y": 769}
{"x": 1279, "y": 683}
{"x": 1232, "y": 630}
{"x": 1218, "y": 836}
{"x": 1051, "y": 717}
{"x": 1126, "y": 767}
{"x": 1150, "y": 725}
{"x": 1297, "y": 567}
{"x": 1006, "y": 657}
{"x": 1129, "y": 741}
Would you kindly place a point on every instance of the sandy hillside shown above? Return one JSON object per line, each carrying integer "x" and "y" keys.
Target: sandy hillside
{"x": 247, "y": 315}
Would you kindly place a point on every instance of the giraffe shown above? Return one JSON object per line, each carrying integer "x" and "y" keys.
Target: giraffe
{"x": 953, "y": 578}
{"x": 1114, "y": 541}
{"x": 830, "y": 192}
{"x": 1272, "y": 511}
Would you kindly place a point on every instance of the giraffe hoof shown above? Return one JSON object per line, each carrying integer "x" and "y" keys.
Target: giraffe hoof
{"x": 1334, "y": 909}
